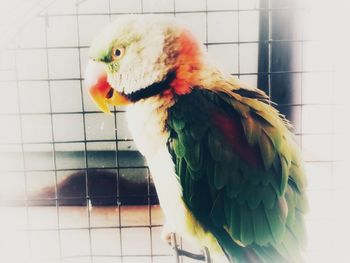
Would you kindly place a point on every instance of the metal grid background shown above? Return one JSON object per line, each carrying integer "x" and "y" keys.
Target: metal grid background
{"x": 51, "y": 65}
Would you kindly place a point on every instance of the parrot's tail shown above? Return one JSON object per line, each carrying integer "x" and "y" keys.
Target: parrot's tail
{"x": 234, "y": 252}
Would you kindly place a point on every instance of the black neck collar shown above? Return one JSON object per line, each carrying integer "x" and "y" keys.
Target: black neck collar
{"x": 153, "y": 89}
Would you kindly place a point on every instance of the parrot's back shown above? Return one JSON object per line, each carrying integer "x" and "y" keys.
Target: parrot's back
{"x": 240, "y": 172}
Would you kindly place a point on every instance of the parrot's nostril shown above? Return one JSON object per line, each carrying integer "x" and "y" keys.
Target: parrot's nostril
{"x": 110, "y": 93}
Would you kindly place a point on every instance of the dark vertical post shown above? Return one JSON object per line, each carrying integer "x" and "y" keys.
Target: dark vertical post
{"x": 264, "y": 54}
{"x": 280, "y": 56}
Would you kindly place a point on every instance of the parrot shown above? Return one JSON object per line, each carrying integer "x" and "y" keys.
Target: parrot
{"x": 225, "y": 163}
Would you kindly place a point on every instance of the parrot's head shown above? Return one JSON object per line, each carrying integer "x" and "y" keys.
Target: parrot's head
{"x": 136, "y": 57}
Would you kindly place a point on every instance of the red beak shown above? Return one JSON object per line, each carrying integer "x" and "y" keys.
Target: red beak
{"x": 99, "y": 89}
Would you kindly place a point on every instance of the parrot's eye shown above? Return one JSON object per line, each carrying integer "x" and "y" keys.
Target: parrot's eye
{"x": 118, "y": 53}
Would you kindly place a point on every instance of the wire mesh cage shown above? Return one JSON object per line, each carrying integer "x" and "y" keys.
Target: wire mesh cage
{"x": 73, "y": 187}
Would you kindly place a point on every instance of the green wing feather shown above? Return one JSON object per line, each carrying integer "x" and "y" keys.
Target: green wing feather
{"x": 259, "y": 206}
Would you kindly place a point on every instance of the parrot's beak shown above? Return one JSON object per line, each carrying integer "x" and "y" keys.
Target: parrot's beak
{"x": 99, "y": 89}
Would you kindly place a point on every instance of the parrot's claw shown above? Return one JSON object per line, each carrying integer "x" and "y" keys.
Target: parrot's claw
{"x": 166, "y": 234}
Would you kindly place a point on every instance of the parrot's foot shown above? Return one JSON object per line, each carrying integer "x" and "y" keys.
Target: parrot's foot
{"x": 166, "y": 234}
{"x": 169, "y": 236}
{"x": 178, "y": 252}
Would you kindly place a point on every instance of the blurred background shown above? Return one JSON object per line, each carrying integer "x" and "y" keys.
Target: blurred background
{"x": 73, "y": 187}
